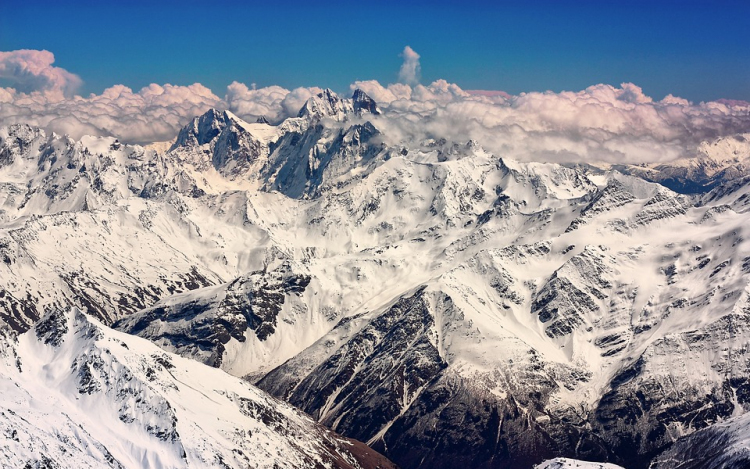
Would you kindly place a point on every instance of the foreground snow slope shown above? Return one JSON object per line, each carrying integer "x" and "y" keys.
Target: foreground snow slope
{"x": 565, "y": 463}
{"x": 77, "y": 394}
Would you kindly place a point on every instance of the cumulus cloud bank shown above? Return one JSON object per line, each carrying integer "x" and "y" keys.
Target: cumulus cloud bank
{"x": 42, "y": 95}
{"x": 601, "y": 123}
{"x": 32, "y": 70}
{"x": 155, "y": 113}
{"x": 273, "y": 102}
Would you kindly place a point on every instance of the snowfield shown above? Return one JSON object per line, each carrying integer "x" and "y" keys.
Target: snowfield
{"x": 77, "y": 394}
{"x": 448, "y": 306}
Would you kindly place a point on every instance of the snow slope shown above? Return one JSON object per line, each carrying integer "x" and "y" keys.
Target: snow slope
{"x": 77, "y": 394}
{"x": 564, "y": 463}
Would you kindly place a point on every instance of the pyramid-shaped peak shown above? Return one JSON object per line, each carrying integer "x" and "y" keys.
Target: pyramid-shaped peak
{"x": 326, "y": 104}
{"x": 203, "y": 129}
{"x": 329, "y": 95}
{"x": 360, "y": 95}
{"x": 363, "y": 103}
{"x": 213, "y": 118}
{"x": 212, "y": 113}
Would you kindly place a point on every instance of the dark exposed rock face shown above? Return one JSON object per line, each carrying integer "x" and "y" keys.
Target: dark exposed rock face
{"x": 233, "y": 150}
{"x": 18, "y": 313}
{"x": 259, "y": 297}
{"x": 377, "y": 372}
{"x": 201, "y": 327}
{"x": 722, "y": 446}
{"x": 374, "y": 376}
{"x": 301, "y": 164}
{"x": 202, "y": 130}
{"x": 453, "y": 423}
{"x": 427, "y": 436}
{"x": 453, "y": 420}
{"x": 326, "y": 104}
{"x": 660, "y": 207}
{"x": 609, "y": 198}
{"x": 52, "y": 329}
{"x": 363, "y": 103}
{"x": 561, "y": 304}
{"x": 20, "y": 139}
{"x": 659, "y": 398}
{"x": 388, "y": 384}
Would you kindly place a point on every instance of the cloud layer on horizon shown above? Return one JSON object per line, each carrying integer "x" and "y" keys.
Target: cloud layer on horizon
{"x": 600, "y": 123}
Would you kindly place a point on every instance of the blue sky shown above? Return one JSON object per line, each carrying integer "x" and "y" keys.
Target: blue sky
{"x": 699, "y": 50}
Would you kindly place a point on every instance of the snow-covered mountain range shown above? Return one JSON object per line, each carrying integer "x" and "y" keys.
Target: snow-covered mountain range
{"x": 443, "y": 304}
{"x": 715, "y": 163}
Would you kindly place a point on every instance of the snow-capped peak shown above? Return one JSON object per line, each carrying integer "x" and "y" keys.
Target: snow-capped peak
{"x": 364, "y": 104}
{"x": 328, "y": 104}
{"x": 202, "y": 129}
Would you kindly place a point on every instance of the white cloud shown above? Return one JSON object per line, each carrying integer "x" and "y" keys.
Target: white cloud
{"x": 252, "y": 103}
{"x": 381, "y": 94}
{"x": 273, "y": 102}
{"x": 154, "y": 113}
{"x": 410, "y": 68}
{"x": 601, "y": 123}
{"x": 32, "y": 70}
